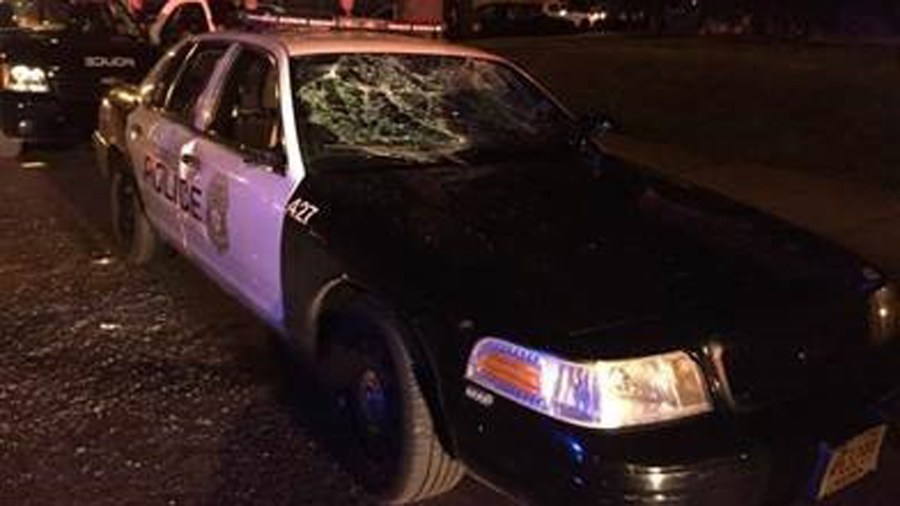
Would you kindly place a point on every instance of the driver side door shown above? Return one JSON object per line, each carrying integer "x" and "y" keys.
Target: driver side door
{"x": 241, "y": 171}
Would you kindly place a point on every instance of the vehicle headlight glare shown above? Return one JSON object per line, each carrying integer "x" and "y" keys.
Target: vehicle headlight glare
{"x": 601, "y": 394}
{"x": 24, "y": 78}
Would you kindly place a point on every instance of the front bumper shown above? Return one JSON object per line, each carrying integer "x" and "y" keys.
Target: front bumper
{"x": 766, "y": 458}
{"x": 44, "y": 117}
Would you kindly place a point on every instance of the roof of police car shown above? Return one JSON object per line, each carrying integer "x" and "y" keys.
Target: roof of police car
{"x": 299, "y": 42}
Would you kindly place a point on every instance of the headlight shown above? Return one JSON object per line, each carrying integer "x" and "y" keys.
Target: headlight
{"x": 24, "y": 78}
{"x": 602, "y": 394}
{"x": 884, "y": 314}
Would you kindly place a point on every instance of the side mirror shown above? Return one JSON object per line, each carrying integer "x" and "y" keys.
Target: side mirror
{"x": 594, "y": 124}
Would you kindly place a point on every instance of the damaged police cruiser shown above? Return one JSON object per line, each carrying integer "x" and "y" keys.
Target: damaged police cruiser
{"x": 481, "y": 288}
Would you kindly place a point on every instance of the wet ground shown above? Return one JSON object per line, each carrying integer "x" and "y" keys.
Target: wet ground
{"x": 121, "y": 385}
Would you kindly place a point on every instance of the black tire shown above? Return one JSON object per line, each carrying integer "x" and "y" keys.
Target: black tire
{"x": 133, "y": 233}
{"x": 368, "y": 374}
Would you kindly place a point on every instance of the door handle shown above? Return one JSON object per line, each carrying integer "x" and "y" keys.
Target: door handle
{"x": 190, "y": 161}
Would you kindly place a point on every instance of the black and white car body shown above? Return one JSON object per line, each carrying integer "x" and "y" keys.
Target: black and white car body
{"x": 479, "y": 286}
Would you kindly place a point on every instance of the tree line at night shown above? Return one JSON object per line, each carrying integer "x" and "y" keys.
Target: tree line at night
{"x": 778, "y": 18}
{"x": 775, "y": 18}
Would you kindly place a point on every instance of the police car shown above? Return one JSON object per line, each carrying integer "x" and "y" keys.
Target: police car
{"x": 480, "y": 288}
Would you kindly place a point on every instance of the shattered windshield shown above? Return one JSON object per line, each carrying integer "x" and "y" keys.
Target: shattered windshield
{"x": 419, "y": 109}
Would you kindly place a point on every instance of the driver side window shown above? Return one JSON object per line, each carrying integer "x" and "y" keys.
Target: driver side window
{"x": 249, "y": 115}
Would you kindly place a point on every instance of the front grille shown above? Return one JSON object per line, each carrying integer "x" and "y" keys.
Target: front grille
{"x": 758, "y": 377}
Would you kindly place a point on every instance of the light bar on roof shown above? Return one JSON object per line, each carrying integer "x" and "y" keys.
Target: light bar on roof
{"x": 347, "y": 23}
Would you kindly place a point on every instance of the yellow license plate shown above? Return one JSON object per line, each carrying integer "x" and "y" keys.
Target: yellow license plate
{"x": 851, "y": 461}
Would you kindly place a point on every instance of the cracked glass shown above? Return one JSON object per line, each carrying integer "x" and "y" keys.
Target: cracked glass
{"x": 418, "y": 109}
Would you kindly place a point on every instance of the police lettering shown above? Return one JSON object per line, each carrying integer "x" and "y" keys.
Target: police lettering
{"x": 179, "y": 191}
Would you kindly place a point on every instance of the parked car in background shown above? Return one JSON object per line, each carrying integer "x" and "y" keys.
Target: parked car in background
{"x": 56, "y": 58}
{"x": 625, "y": 15}
{"x": 510, "y": 18}
{"x": 585, "y": 17}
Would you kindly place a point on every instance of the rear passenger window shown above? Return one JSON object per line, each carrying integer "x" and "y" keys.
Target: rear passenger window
{"x": 248, "y": 115}
{"x": 193, "y": 79}
{"x": 165, "y": 74}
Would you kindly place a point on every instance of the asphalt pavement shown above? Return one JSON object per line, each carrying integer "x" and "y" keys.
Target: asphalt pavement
{"x": 121, "y": 385}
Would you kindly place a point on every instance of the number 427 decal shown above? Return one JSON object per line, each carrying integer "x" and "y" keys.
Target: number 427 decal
{"x": 301, "y": 211}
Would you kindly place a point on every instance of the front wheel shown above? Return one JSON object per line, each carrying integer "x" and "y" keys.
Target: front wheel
{"x": 390, "y": 443}
{"x": 132, "y": 230}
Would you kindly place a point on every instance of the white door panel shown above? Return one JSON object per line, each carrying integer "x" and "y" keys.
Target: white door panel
{"x": 239, "y": 239}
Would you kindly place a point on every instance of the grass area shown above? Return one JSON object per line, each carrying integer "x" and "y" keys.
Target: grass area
{"x": 833, "y": 109}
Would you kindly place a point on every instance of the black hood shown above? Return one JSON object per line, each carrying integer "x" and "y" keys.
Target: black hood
{"x": 551, "y": 247}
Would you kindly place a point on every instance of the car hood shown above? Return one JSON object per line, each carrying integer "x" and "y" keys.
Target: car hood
{"x": 559, "y": 251}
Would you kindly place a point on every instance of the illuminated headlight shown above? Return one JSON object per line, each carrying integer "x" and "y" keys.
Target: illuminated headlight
{"x": 25, "y": 79}
{"x": 601, "y": 395}
{"x": 884, "y": 314}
